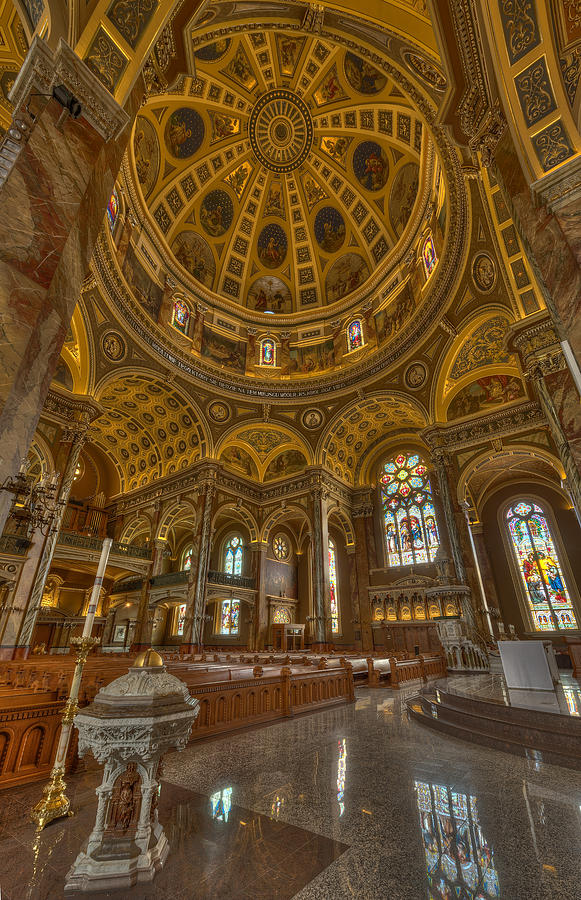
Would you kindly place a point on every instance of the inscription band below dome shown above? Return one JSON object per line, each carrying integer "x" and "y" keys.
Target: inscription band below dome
{"x": 281, "y": 130}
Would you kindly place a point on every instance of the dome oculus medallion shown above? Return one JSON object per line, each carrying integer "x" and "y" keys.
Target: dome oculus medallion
{"x": 281, "y": 131}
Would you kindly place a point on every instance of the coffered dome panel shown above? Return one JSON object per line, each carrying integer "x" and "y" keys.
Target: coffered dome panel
{"x": 286, "y": 156}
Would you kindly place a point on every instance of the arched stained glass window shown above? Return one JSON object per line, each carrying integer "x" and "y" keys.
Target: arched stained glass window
{"x": 429, "y": 255}
{"x": 539, "y": 567}
{"x": 187, "y": 559}
{"x": 181, "y": 618}
{"x": 230, "y": 617}
{"x": 409, "y": 517}
{"x": 180, "y": 315}
{"x": 333, "y": 587}
{"x": 267, "y": 353}
{"x": 354, "y": 335}
{"x": 233, "y": 555}
{"x": 112, "y": 210}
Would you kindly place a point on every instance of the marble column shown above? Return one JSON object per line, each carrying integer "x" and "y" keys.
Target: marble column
{"x": 544, "y": 362}
{"x": 547, "y": 214}
{"x": 37, "y": 567}
{"x": 56, "y": 176}
{"x": 144, "y": 623}
{"x": 196, "y": 595}
{"x": 486, "y": 574}
{"x": 456, "y": 527}
{"x": 362, "y": 520}
{"x": 261, "y": 609}
{"x": 320, "y": 567}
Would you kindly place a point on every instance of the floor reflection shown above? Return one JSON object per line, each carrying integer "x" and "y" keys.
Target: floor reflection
{"x": 221, "y": 804}
{"x": 459, "y": 860}
{"x": 341, "y": 770}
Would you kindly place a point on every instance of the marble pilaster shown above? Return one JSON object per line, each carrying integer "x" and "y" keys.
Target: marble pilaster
{"x": 363, "y": 525}
{"x": 196, "y": 595}
{"x": 260, "y": 622}
{"x": 144, "y": 622}
{"x": 320, "y": 566}
{"x": 56, "y": 176}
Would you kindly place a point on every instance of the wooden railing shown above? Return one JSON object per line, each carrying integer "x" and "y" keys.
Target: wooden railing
{"x": 72, "y": 539}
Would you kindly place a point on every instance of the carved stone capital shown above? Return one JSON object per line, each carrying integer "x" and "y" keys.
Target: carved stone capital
{"x": 42, "y": 70}
{"x": 538, "y": 346}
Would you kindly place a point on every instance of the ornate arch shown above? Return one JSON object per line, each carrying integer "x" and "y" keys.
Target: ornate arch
{"x": 244, "y": 515}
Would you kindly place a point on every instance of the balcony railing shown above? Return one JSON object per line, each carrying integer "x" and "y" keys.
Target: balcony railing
{"x": 241, "y": 581}
{"x": 170, "y": 578}
{"x": 16, "y": 546}
{"x": 84, "y": 542}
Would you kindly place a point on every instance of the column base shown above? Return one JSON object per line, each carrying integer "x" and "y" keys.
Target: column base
{"x": 319, "y": 647}
{"x": 191, "y": 648}
{"x": 19, "y": 653}
{"x": 137, "y": 648}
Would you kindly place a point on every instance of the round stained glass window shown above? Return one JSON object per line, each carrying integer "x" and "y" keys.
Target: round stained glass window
{"x": 280, "y": 547}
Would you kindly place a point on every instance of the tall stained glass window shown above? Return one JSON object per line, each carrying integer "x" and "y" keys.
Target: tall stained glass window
{"x": 230, "y": 617}
{"x": 409, "y": 517}
{"x": 180, "y": 316}
{"x": 333, "y": 587}
{"x": 233, "y": 555}
{"x": 539, "y": 567}
{"x": 181, "y": 618}
{"x": 267, "y": 353}
{"x": 112, "y": 210}
{"x": 459, "y": 860}
{"x": 187, "y": 559}
{"x": 354, "y": 335}
{"x": 429, "y": 255}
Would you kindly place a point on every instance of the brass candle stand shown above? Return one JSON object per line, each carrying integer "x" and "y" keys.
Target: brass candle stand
{"x": 54, "y": 803}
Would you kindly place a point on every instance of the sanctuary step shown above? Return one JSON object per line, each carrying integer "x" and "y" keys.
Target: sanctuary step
{"x": 549, "y": 737}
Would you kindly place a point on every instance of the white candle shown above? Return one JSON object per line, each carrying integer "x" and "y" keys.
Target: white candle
{"x": 93, "y": 602}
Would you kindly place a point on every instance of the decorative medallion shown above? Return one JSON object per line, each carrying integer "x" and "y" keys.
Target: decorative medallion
{"x": 426, "y": 70}
{"x": 415, "y": 376}
{"x": 184, "y": 132}
{"x": 272, "y": 246}
{"x": 281, "y": 130}
{"x": 312, "y": 419}
{"x": 370, "y": 165}
{"x": 329, "y": 229}
{"x": 114, "y": 346}
{"x": 219, "y": 411}
{"x": 484, "y": 272}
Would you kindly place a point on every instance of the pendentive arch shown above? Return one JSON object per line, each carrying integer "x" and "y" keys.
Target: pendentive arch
{"x": 184, "y": 512}
{"x": 502, "y": 464}
{"x": 440, "y": 397}
{"x": 241, "y": 513}
{"x": 286, "y": 511}
{"x": 345, "y": 523}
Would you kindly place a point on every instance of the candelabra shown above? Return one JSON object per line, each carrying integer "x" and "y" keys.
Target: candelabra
{"x": 34, "y": 504}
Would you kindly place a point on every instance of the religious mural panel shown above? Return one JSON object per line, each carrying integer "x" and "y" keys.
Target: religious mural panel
{"x": 485, "y": 394}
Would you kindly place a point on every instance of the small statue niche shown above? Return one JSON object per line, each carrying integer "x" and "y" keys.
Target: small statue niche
{"x": 125, "y": 803}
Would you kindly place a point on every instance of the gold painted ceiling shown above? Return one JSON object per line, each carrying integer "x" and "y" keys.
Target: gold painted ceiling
{"x": 284, "y": 174}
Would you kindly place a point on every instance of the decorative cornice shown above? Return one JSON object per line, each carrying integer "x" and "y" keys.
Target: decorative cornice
{"x": 507, "y": 421}
{"x": 70, "y": 408}
{"x": 538, "y": 345}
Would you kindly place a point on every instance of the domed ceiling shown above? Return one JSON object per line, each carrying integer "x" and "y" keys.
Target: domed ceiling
{"x": 286, "y": 172}
{"x": 289, "y": 189}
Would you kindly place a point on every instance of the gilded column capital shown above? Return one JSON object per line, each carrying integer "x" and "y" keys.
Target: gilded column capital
{"x": 538, "y": 346}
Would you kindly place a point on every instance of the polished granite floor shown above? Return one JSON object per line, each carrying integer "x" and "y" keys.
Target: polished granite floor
{"x": 354, "y": 802}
